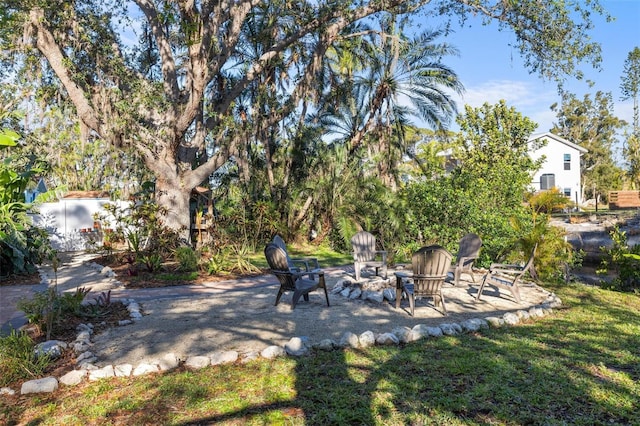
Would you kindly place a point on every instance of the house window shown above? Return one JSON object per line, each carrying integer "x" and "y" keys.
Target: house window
{"x": 547, "y": 181}
{"x": 567, "y": 161}
{"x": 567, "y": 192}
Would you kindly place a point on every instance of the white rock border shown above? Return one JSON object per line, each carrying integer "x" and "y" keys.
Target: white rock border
{"x": 295, "y": 347}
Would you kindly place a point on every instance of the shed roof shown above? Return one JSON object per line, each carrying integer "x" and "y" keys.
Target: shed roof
{"x": 86, "y": 194}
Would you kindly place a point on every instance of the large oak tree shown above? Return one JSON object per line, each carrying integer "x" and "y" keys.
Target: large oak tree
{"x": 172, "y": 87}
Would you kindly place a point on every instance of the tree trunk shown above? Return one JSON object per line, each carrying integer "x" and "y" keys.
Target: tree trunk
{"x": 173, "y": 200}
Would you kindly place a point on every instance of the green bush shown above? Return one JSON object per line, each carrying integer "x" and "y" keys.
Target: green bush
{"x": 441, "y": 211}
{"x": 140, "y": 226}
{"x": 153, "y": 262}
{"x": 18, "y": 360}
{"x": 217, "y": 262}
{"x": 187, "y": 259}
{"x": 623, "y": 260}
{"x": 22, "y": 246}
{"x": 48, "y": 309}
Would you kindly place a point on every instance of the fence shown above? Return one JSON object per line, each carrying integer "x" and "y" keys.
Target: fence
{"x": 624, "y": 199}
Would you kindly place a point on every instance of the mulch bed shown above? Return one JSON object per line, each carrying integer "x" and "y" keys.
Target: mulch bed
{"x": 133, "y": 276}
{"x": 23, "y": 279}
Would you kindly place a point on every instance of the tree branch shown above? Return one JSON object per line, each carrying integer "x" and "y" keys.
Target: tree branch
{"x": 170, "y": 79}
{"x": 46, "y": 43}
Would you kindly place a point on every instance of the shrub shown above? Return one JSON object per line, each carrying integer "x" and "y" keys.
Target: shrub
{"x": 18, "y": 360}
{"x": 22, "y": 246}
{"x": 187, "y": 259}
{"x": 48, "y": 309}
{"x": 217, "y": 262}
{"x": 140, "y": 226}
{"x": 239, "y": 260}
{"x": 624, "y": 260}
{"x": 152, "y": 261}
{"x": 554, "y": 255}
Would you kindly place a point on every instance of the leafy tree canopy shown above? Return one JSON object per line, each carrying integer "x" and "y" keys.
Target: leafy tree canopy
{"x": 190, "y": 87}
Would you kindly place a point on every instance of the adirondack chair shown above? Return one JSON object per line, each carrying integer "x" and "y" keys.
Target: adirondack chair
{"x": 291, "y": 280}
{"x": 468, "y": 251}
{"x": 366, "y": 255}
{"x": 430, "y": 267}
{"x": 507, "y": 276}
{"x": 309, "y": 263}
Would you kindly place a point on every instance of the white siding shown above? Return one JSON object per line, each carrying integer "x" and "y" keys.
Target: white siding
{"x": 66, "y": 219}
{"x": 554, "y": 152}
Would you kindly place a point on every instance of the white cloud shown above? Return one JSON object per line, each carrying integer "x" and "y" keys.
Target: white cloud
{"x": 531, "y": 99}
{"x": 520, "y": 94}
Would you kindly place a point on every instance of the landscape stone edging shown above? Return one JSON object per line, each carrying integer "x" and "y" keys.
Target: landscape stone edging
{"x": 296, "y": 346}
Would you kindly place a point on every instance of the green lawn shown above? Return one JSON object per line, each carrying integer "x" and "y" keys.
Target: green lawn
{"x": 326, "y": 256}
{"x": 579, "y": 366}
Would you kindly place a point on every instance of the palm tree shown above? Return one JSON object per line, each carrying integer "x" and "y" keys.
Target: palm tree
{"x": 401, "y": 79}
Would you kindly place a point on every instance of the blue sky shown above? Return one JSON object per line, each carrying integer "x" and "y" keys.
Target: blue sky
{"x": 490, "y": 70}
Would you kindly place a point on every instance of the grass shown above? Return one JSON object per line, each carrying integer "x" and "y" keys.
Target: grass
{"x": 579, "y": 366}
{"x": 325, "y": 255}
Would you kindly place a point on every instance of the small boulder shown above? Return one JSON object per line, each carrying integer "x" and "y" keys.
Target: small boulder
{"x": 296, "y": 347}
{"x": 197, "y": 362}
{"x": 223, "y": 357}
{"x": 271, "y": 352}
{"x": 44, "y": 385}
{"x": 73, "y": 377}
{"x": 450, "y": 329}
{"x": 123, "y": 370}
{"x": 387, "y": 339}
{"x": 349, "y": 340}
{"x": 511, "y": 319}
{"x": 51, "y": 348}
{"x": 102, "y": 373}
{"x": 145, "y": 368}
{"x": 367, "y": 339}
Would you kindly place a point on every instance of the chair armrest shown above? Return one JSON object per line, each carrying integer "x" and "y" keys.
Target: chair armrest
{"x": 306, "y": 261}
{"x": 465, "y": 259}
{"x": 400, "y": 277}
{"x": 506, "y": 268}
{"x": 318, "y": 272}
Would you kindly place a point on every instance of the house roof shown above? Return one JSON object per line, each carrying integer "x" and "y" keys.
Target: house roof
{"x": 557, "y": 138}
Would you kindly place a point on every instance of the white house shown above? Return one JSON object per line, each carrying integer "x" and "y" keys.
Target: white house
{"x": 561, "y": 167}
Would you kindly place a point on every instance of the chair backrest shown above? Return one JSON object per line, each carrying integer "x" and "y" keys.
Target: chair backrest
{"x": 277, "y": 260}
{"x": 430, "y": 266}
{"x": 469, "y": 246}
{"x": 364, "y": 246}
{"x": 278, "y": 241}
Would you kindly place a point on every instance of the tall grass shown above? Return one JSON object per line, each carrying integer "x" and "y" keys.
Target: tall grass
{"x": 18, "y": 360}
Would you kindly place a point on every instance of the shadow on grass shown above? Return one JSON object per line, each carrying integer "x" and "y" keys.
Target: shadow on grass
{"x": 561, "y": 370}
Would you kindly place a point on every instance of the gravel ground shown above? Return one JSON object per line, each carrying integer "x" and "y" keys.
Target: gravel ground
{"x": 240, "y": 315}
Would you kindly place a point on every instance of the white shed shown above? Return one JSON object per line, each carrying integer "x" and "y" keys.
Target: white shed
{"x": 70, "y": 221}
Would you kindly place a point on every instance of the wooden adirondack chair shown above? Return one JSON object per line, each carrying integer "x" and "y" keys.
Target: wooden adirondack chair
{"x": 305, "y": 264}
{"x": 468, "y": 251}
{"x": 365, "y": 254}
{"x": 430, "y": 267}
{"x": 291, "y": 280}
{"x": 507, "y": 276}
